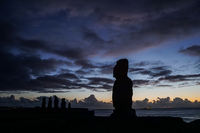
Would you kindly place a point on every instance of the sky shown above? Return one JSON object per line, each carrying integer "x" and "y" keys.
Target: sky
{"x": 69, "y": 48}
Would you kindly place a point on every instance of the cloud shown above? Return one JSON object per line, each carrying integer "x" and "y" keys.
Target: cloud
{"x": 92, "y": 102}
{"x": 97, "y": 83}
{"x": 137, "y": 83}
{"x": 68, "y": 81}
{"x": 92, "y": 37}
{"x": 160, "y": 75}
{"x": 10, "y": 39}
{"x": 22, "y": 102}
{"x": 193, "y": 50}
{"x": 147, "y": 63}
{"x": 28, "y": 71}
{"x": 23, "y": 69}
{"x": 166, "y": 103}
{"x": 179, "y": 78}
{"x": 72, "y": 32}
{"x": 8, "y": 33}
{"x": 88, "y": 102}
{"x": 133, "y": 27}
{"x": 18, "y": 71}
{"x": 85, "y": 63}
{"x": 154, "y": 28}
{"x": 129, "y": 28}
{"x": 67, "y": 76}
{"x": 158, "y": 71}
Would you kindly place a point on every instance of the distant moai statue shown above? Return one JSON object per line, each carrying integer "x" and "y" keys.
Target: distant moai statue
{"x": 49, "y": 104}
{"x": 44, "y": 103}
{"x": 69, "y": 105}
{"x": 56, "y": 102}
{"x": 63, "y": 104}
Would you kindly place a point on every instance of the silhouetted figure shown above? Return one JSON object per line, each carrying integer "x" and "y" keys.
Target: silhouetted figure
{"x": 49, "y": 104}
{"x": 44, "y": 103}
{"x": 56, "y": 102}
{"x": 122, "y": 91}
{"x": 63, "y": 104}
{"x": 69, "y": 105}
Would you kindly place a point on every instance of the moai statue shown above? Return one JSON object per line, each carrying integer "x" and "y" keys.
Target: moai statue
{"x": 49, "y": 104}
{"x": 56, "y": 102}
{"x": 63, "y": 104}
{"x": 69, "y": 105}
{"x": 122, "y": 91}
{"x": 44, "y": 103}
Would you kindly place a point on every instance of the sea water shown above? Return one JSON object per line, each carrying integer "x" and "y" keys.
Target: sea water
{"x": 187, "y": 114}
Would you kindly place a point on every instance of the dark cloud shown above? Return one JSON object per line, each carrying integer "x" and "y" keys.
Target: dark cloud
{"x": 71, "y": 53}
{"x": 63, "y": 51}
{"x": 18, "y": 71}
{"x": 137, "y": 83}
{"x": 140, "y": 82}
{"x": 23, "y": 69}
{"x": 72, "y": 32}
{"x": 153, "y": 71}
{"x": 169, "y": 86}
{"x": 89, "y": 67}
{"x": 27, "y": 71}
{"x": 135, "y": 69}
{"x": 92, "y": 37}
{"x": 8, "y": 33}
{"x": 85, "y": 63}
{"x": 32, "y": 45}
{"x": 130, "y": 26}
{"x": 180, "y": 78}
{"x": 193, "y": 50}
{"x": 67, "y": 81}
{"x": 160, "y": 71}
{"x": 147, "y": 63}
{"x": 67, "y": 76}
{"x": 83, "y": 72}
{"x": 155, "y": 26}
{"x": 10, "y": 40}
{"x": 97, "y": 83}
{"x": 50, "y": 82}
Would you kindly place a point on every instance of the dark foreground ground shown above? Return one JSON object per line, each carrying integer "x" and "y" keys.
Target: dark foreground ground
{"x": 44, "y": 121}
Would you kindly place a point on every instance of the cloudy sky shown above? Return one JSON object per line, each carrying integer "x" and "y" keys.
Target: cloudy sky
{"x": 68, "y": 48}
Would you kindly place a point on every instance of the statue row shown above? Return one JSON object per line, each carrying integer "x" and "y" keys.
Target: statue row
{"x": 56, "y": 102}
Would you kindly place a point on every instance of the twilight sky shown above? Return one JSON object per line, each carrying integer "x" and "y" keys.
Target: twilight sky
{"x": 68, "y": 48}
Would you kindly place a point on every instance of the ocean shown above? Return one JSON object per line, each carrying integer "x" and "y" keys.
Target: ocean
{"x": 187, "y": 114}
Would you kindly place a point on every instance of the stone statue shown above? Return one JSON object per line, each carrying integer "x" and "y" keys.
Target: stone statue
{"x": 122, "y": 91}
{"x": 56, "y": 102}
{"x": 49, "y": 104}
{"x": 69, "y": 105}
{"x": 63, "y": 104}
{"x": 44, "y": 103}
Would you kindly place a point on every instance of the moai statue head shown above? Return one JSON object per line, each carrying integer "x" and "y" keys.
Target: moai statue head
{"x": 121, "y": 69}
